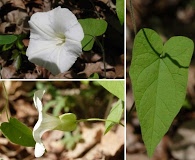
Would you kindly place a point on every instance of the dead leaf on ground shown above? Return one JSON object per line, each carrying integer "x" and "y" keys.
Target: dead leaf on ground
{"x": 182, "y": 143}
{"x": 90, "y": 136}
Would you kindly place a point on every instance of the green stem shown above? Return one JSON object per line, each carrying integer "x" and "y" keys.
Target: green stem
{"x": 133, "y": 17}
{"x": 98, "y": 119}
{"x": 6, "y": 97}
{"x": 103, "y": 53}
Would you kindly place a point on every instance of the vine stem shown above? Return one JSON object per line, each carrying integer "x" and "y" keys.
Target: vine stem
{"x": 97, "y": 41}
{"x": 103, "y": 53}
{"x": 6, "y": 97}
{"x": 133, "y": 17}
{"x": 98, "y": 119}
{"x": 102, "y": 50}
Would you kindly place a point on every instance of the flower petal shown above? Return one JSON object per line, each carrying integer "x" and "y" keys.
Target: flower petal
{"x": 40, "y": 26}
{"x": 66, "y": 22}
{"x": 39, "y": 149}
{"x": 37, "y": 99}
{"x": 45, "y": 123}
{"x": 55, "y": 40}
{"x": 57, "y": 59}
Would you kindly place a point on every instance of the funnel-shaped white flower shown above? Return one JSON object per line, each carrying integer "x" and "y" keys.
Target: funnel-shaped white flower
{"x": 65, "y": 122}
{"x": 55, "y": 39}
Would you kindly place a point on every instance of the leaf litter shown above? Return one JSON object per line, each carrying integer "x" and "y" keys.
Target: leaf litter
{"x": 93, "y": 143}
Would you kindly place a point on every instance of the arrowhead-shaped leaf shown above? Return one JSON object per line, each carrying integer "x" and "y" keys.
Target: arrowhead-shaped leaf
{"x": 159, "y": 78}
{"x": 17, "y": 132}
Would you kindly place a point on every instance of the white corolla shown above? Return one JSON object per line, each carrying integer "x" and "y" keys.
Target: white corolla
{"x": 55, "y": 40}
{"x": 65, "y": 122}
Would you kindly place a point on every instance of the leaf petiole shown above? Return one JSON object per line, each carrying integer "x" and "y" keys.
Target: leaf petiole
{"x": 99, "y": 119}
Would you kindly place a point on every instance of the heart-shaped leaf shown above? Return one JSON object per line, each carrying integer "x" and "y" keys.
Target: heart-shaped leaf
{"x": 159, "y": 78}
{"x": 17, "y": 132}
{"x": 92, "y": 28}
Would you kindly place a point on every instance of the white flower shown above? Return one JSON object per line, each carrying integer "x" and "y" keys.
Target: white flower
{"x": 55, "y": 39}
{"x": 65, "y": 122}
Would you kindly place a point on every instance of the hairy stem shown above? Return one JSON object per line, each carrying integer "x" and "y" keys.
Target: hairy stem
{"x": 6, "y": 97}
{"x": 103, "y": 53}
{"x": 133, "y": 17}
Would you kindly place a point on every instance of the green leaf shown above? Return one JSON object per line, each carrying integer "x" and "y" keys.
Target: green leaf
{"x": 92, "y": 28}
{"x": 94, "y": 76}
{"x": 120, "y": 10}
{"x": 114, "y": 115}
{"x": 71, "y": 140}
{"x": 17, "y": 62}
{"x": 7, "y": 39}
{"x": 17, "y": 132}
{"x": 7, "y": 46}
{"x": 114, "y": 87}
{"x": 159, "y": 78}
{"x": 60, "y": 103}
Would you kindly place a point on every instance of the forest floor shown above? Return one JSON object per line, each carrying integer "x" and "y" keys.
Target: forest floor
{"x": 87, "y": 142}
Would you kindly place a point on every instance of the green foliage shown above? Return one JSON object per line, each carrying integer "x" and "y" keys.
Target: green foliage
{"x": 7, "y": 46}
{"x": 117, "y": 89}
{"x": 114, "y": 115}
{"x": 17, "y": 132}
{"x": 114, "y": 87}
{"x": 71, "y": 139}
{"x": 187, "y": 104}
{"x": 159, "y": 78}
{"x": 92, "y": 28}
{"x": 59, "y": 103}
{"x": 16, "y": 56}
{"x": 15, "y": 44}
{"x": 94, "y": 76}
{"x": 120, "y": 10}
{"x": 7, "y": 39}
{"x": 71, "y": 96}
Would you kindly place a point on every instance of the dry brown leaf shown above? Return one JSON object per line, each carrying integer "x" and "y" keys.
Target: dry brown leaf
{"x": 53, "y": 141}
{"x": 191, "y": 83}
{"x": 65, "y": 75}
{"x": 24, "y": 109}
{"x": 90, "y": 136}
{"x": 46, "y": 5}
{"x": 138, "y": 156}
{"x": 91, "y": 68}
{"x": 110, "y": 144}
{"x": 182, "y": 143}
{"x": 91, "y": 57}
{"x": 18, "y": 3}
{"x": 8, "y": 72}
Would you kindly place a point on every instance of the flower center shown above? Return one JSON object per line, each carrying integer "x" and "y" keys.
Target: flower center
{"x": 61, "y": 40}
